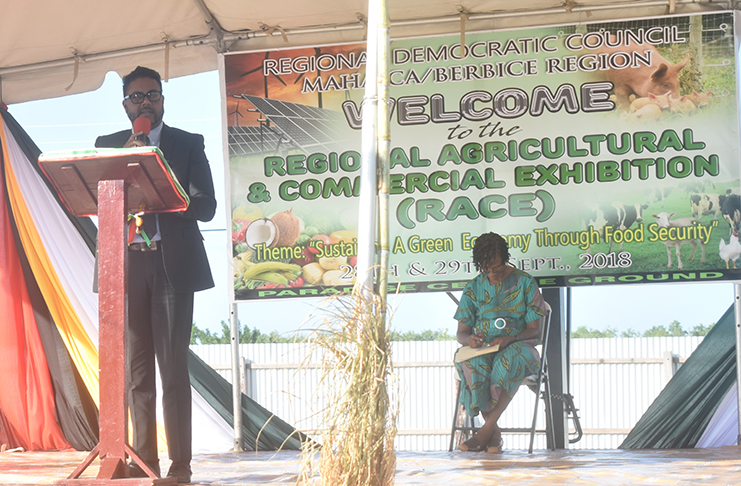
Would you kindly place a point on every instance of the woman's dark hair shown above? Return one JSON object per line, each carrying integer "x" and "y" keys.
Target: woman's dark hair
{"x": 487, "y": 247}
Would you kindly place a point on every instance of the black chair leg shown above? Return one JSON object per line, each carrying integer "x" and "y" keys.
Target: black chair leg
{"x": 550, "y": 433}
{"x": 535, "y": 412}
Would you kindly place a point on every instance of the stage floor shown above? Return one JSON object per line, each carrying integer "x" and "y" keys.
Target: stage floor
{"x": 720, "y": 466}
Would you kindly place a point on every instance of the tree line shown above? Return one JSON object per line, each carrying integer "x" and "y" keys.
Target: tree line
{"x": 253, "y": 336}
{"x": 674, "y": 329}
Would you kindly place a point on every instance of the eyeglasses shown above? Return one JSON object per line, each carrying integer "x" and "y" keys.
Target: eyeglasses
{"x": 496, "y": 270}
{"x": 138, "y": 97}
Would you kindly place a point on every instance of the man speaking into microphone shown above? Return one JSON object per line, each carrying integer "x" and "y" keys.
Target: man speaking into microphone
{"x": 143, "y": 126}
{"x": 167, "y": 264}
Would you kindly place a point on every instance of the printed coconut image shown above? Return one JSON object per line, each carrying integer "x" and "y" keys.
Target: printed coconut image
{"x": 262, "y": 232}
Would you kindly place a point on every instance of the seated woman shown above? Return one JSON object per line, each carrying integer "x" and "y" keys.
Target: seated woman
{"x": 501, "y": 305}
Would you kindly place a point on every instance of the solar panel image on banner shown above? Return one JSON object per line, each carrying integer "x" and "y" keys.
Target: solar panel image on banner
{"x": 254, "y": 140}
{"x": 308, "y": 128}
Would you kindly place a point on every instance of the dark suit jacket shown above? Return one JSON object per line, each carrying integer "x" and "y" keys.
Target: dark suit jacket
{"x": 184, "y": 255}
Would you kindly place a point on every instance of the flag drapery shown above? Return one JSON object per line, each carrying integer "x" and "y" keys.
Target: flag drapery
{"x": 44, "y": 260}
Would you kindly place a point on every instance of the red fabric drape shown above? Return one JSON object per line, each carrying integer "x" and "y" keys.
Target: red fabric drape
{"x": 26, "y": 394}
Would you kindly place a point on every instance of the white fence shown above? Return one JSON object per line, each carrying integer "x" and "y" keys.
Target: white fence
{"x": 613, "y": 381}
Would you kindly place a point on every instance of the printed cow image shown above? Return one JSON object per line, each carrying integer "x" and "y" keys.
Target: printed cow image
{"x": 703, "y": 204}
{"x": 616, "y": 215}
{"x": 731, "y": 211}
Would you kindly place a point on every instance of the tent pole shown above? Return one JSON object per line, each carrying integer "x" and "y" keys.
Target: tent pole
{"x": 384, "y": 146}
{"x": 236, "y": 379}
{"x": 369, "y": 150}
{"x": 737, "y": 310}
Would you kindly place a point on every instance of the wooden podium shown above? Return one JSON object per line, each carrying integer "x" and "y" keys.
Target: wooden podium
{"x": 112, "y": 183}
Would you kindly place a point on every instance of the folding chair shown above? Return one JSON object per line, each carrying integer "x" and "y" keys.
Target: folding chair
{"x": 534, "y": 382}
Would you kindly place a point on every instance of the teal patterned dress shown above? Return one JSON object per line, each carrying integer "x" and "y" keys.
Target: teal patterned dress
{"x": 517, "y": 300}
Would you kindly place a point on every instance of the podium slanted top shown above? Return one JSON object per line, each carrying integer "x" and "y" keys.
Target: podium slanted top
{"x": 152, "y": 186}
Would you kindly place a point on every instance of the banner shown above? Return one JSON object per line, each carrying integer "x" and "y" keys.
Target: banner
{"x": 604, "y": 153}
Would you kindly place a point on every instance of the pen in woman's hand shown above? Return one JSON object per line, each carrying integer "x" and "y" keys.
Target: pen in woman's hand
{"x": 479, "y": 337}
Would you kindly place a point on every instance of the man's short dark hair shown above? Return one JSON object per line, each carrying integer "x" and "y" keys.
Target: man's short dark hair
{"x": 141, "y": 72}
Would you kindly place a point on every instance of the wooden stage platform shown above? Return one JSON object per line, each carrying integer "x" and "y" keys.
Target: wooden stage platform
{"x": 720, "y": 466}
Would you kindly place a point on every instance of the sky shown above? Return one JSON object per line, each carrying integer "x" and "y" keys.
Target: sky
{"x": 193, "y": 103}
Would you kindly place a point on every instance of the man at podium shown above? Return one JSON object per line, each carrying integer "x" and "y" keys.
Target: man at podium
{"x": 167, "y": 264}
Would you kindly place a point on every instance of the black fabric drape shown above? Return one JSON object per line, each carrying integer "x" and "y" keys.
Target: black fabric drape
{"x": 679, "y": 415}
{"x": 218, "y": 393}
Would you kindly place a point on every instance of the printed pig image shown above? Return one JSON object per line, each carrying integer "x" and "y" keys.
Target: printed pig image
{"x": 660, "y": 78}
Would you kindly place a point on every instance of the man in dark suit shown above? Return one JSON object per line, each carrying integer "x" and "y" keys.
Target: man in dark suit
{"x": 164, "y": 273}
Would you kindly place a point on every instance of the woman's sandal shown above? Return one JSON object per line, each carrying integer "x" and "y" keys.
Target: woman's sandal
{"x": 472, "y": 445}
{"x": 495, "y": 445}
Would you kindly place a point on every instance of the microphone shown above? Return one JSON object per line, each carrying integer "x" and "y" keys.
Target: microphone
{"x": 142, "y": 124}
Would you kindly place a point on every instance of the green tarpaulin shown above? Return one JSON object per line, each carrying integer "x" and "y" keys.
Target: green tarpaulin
{"x": 218, "y": 393}
{"x": 679, "y": 415}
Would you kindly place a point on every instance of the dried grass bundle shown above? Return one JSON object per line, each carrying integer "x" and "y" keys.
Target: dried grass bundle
{"x": 359, "y": 421}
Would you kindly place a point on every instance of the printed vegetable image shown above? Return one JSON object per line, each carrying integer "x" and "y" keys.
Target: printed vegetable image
{"x": 312, "y": 273}
{"x": 343, "y": 235}
{"x": 280, "y": 251}
{"x": 307, "y": 256}
{"x": 333, "y": 277}
{"x": 239, "y": 228}
{"x": 249, "y": 213}
{"x": 316, "y": 243}
{"x": 332, "y": 263}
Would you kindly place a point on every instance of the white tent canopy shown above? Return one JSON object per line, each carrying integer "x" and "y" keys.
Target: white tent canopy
{"x": 51, "y": 48}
